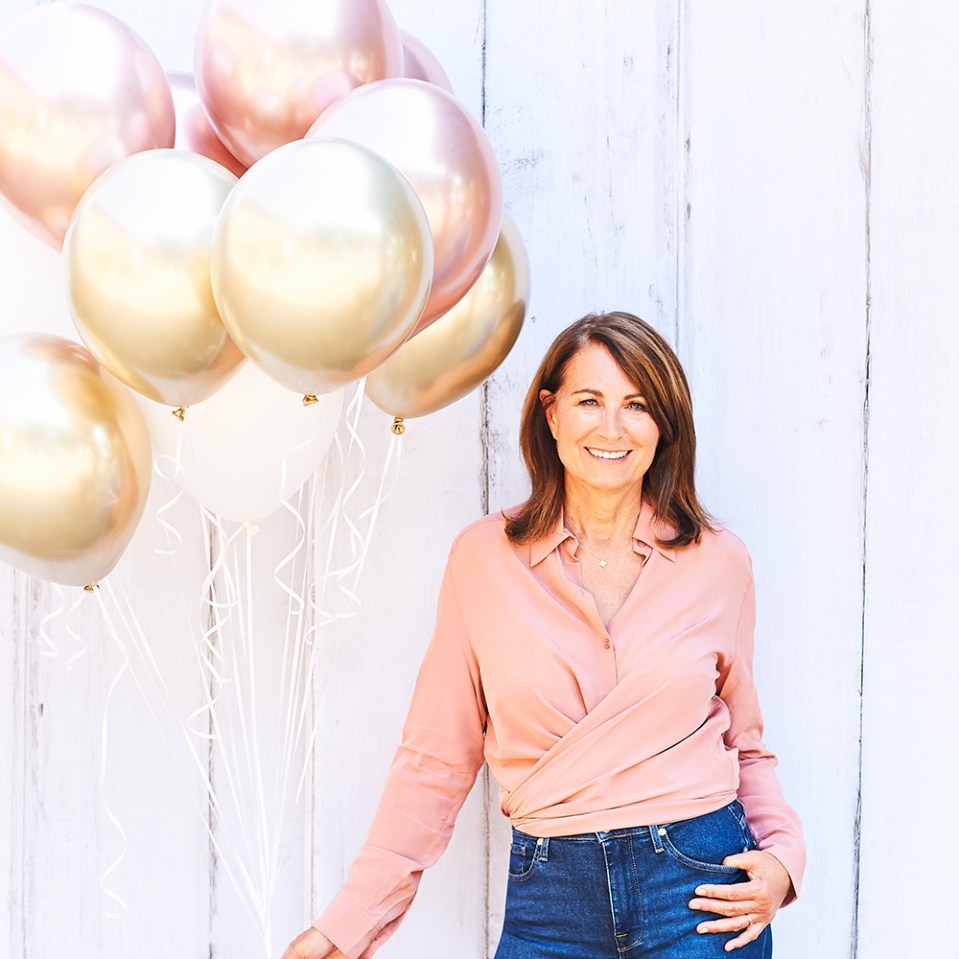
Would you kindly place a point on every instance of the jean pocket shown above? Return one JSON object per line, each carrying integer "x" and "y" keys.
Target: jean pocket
{"x": 522, "y": 857}
{"x": 739, "y": 811}
{"x": 704, "y": 842}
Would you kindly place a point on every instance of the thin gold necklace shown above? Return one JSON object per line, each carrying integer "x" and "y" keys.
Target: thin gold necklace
{"x": 603, "y": 562}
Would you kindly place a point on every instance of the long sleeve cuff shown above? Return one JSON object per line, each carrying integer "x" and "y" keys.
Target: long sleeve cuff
{"x": 348, "y": 926}
{"x": 794, "y": 862}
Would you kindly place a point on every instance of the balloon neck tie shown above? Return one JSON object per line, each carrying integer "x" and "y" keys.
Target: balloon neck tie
{"x": 90, "y": 587}
{"x": 398, "y": 427}
{"x": 310, "y": 399}
{"x": 179, "y": 413}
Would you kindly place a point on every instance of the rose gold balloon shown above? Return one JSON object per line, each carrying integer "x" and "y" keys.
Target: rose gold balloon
{"x": 266, "y": 71}
{"x": 444, "y": 153}
{"x": 419, "y": 63}
{"x": 138, "y": 270}
{"x": 74, "y": 461}
{"x": 79, "y": 90}
{"x": 464, "y": 346}
{"x": 321, "y": 263}
{"x": 193, "y": 129}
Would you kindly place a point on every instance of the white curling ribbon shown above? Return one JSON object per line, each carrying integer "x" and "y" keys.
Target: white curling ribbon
{"x": 343, "y": 580}
{"x": 339, "y": 515}
{"x": 124, "y": 628}
{"x": 80, "y": 644}
{"x": 233, "y": 703}
{"x": 298, "y": 662}
{"x": 257, "y": 780}
{"x": 48, "y": 647}
{"x": 170, "y": 469}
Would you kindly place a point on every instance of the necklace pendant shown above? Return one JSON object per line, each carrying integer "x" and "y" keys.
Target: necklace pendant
{"x": 602, "y": 563}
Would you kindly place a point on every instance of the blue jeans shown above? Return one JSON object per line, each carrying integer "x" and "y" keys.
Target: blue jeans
{"x": 624, "y": 894}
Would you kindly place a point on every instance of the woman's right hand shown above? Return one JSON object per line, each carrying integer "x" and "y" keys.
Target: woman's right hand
{"x": 312, "y": 944}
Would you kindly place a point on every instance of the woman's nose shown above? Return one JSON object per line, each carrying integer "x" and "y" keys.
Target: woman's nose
{"x": 612, "y": 422}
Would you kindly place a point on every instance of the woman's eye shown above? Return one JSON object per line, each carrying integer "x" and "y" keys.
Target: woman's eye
{"x": 589, "y": 401}
{"x": 639, "y": 407}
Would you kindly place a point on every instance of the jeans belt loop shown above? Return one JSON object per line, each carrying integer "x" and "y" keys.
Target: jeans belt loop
{"x": 542, "y": 849}
{"x": 656, "y": 833}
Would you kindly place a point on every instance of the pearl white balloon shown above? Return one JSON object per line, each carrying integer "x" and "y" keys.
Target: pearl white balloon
{"x": 248, "y": 448}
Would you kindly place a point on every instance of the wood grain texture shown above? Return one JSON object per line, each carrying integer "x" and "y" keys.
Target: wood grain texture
{"x": 772, "y": 333}
{"x": 365, "y": 673}
{"x": 581, "y": 105}
{"x": 775, "y": 188}
{"x": 261, "y": 744}
{"x": 63, "y": 841}
{"x": 910, "y": 769}
{"x": 18, "y": 733}
{"x": 367, "y": 664}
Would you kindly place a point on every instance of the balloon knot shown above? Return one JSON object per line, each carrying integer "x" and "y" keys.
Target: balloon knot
{"x": 310, "y": 399}
{"x": 90, "y": 588}
{"x": 398, "y": 427}
{"x": 179, "y": 413}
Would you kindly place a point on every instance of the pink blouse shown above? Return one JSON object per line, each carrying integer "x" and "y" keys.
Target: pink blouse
{"x": 587, "y": 727}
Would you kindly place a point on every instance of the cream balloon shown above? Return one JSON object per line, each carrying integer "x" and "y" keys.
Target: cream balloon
{"x": 266, "y": 71}
{"x": 79, "y": 90}
{"x": 445, "y": 154}
{"x": 464, "y": 346}
{"x": 247, "y": 449}
{"x": 419, "y": 63}
{"x": 194, "y": 132}
{"x": 321, "y": 263}
{"x": 138, "y": 271}
{"x": 74, "y": 461}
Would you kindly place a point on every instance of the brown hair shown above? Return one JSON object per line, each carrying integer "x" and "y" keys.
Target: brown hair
{"x": 649, "y": 362}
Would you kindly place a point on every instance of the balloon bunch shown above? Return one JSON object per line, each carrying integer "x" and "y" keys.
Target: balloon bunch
{"x": 316, "y": 201}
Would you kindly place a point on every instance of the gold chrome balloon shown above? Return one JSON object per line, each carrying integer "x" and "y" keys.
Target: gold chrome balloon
{"x": 435, "y": 142}
{"x": 79, "y": 90}
{"x": 138, "y": 270}
{"x": 74, "y": 461}
{"x": 266, "y": 71}
{"x": 321, "y": 263}
{"x": 457, "y": 352}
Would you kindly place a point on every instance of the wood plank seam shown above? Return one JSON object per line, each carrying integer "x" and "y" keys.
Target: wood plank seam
{"x": 681, "y": 212}
{"x": 485, "y": 467}
{"x": 866, "y": 163}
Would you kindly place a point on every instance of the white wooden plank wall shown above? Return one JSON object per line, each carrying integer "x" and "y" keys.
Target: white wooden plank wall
{"x": 772, "y": 332}
{"x": 750, "y": 177}
{"x": 910, "y": 765}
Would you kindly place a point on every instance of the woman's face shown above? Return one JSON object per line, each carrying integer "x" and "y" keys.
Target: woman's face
{"x": 604, "y": 434}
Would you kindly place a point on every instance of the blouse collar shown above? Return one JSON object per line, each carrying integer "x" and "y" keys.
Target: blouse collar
{"x": 649, "y": 530}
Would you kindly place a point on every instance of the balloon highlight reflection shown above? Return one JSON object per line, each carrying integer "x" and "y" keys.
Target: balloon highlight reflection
{"x": 138, "y": 269}
{"x": 321, "y": 264}
{"x": 445, "y": 154}
{"x": 79, "y": 90}
{"x": 74, "y": 461}
{"x": 463, "y": 347}
{"x": 266, "y": 71}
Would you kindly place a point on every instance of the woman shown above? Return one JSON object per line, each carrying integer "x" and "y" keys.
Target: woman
{"x": 595, "y": 647}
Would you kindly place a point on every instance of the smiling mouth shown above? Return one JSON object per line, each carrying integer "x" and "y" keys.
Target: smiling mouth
{"x": 608, "y": 454}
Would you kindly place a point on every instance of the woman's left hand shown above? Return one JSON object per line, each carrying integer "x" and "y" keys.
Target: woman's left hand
{"x": 746, "y": 907}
